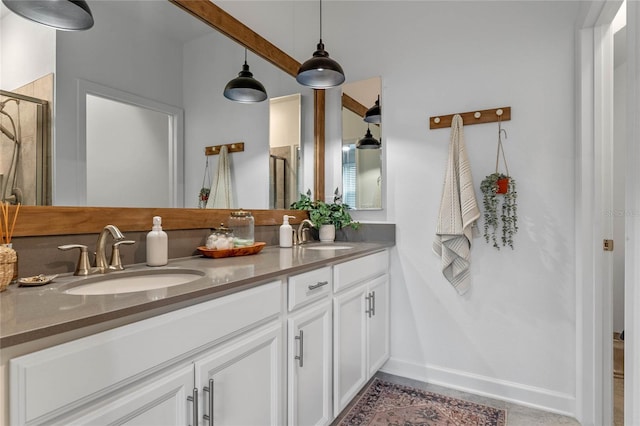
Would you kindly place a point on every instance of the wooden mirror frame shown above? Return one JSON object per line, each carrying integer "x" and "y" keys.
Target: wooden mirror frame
{"x": 53, "y": 220}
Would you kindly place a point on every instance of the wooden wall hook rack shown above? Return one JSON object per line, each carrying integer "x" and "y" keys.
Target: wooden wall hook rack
{"x": 232, "y": 147}
{"x": 472, "y": 117}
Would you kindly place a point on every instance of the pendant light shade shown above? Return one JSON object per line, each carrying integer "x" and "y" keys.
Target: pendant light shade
{"x": 244, "y": 88}
{"x": 320, "y": 72}
{"x": 368, "y": 142}
{"x": 373, "y": 114}
{"x": 69, "y": 15}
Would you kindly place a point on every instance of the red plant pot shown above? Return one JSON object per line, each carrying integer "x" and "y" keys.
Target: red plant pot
{"x": 503, "y": 186}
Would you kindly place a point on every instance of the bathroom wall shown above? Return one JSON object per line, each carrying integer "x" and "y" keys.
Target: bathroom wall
{"x": 27, "y": 51}
{"x": 513, "y": 335}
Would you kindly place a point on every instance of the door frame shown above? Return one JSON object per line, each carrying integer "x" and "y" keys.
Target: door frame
{"x": 632, "y": 220}
{"x": 594, "y": 365}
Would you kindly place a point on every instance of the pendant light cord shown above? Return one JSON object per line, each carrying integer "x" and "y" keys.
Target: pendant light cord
{"x": 320, "y": 21}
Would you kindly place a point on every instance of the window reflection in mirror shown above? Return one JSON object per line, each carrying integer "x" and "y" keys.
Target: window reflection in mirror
{"x": 361, "y": 168}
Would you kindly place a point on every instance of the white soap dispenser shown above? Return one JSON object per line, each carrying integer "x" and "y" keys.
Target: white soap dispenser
{"x": 286, "y": 232}
{"x": 157, "y": 244}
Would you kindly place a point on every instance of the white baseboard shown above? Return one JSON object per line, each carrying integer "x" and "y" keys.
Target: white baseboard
{"x": 530, "y": 396}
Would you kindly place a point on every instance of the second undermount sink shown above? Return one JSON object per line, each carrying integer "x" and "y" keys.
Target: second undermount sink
{"x": 327, "y": 247}
{"x": 133, "y": 281}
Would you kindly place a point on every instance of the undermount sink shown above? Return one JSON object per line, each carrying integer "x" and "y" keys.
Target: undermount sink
{"x": 130, "y": 282}
{"x": 327, "y": 247}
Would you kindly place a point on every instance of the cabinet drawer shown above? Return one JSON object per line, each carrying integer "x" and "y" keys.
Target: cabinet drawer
{"x": 308, "y": 287}
{"x": 349, "y": 273}
{"x": 53, "y": 381}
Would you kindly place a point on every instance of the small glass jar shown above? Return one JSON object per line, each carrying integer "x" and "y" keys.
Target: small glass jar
{"x": 243, "y": 228}
{"x": 220, "y": 239}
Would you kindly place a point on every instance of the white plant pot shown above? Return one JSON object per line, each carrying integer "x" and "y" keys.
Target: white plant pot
{"x": 327, "y": 233}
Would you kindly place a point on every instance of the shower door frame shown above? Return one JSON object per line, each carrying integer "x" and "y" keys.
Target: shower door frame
{"x": 43, "y": 146}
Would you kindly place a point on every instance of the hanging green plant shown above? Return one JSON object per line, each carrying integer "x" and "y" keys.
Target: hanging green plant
{"x": 499, "y": 199}
{"x": 500, "y": 210}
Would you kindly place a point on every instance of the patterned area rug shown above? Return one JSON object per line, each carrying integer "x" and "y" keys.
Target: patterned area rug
{"x": 384, "y": 403}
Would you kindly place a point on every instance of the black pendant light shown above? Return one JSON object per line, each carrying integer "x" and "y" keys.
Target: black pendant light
{"x": 373, "y": 114}
{"x": 320, "y": 72}
{"x": 244, "y": 88}
{"x": 69, "y": 15}
{"x": 368, "y": 141}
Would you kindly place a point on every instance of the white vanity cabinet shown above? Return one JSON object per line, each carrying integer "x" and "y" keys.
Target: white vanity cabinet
{"x": 360, "y": 324}
{"x": 159, "y": 401}
{"x": 282, "y": 352}
{"x": 309, "y": 329}
{"x": 151, "y": 369}
{"x": 241, "y": 383}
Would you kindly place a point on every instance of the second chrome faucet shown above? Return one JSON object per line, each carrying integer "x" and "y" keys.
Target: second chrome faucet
{"x": 303, "y": 234}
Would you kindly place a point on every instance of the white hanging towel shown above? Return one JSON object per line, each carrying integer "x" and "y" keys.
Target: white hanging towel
{"x": 221, "y": 196}
{"x": 458, "y": 212}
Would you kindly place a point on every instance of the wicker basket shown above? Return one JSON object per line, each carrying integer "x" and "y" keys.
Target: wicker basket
{"x": 8, "y": 260}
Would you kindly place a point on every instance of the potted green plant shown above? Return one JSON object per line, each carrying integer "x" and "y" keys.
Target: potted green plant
{"x": 326, "y": 215}
{"x": 500, "y": 209}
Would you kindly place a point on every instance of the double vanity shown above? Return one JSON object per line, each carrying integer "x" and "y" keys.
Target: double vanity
{"x": 287, "y": 336}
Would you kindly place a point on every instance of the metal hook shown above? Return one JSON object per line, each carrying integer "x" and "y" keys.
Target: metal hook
{"x": 501, "y": 130}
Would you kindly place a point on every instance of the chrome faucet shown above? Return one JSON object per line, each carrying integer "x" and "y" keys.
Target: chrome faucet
{"x": 83, "y": 267}
{"x": 101, "y": 257}
{"x": 301, "y": 234}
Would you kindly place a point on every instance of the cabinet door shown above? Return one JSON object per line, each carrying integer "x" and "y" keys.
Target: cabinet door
{"x": 309, "y": 361}
{"x": 378, "y": 322}
{"x": 243, "y": 381}
{"x": 350, "y": 346}
{"x": 162, "y": 400}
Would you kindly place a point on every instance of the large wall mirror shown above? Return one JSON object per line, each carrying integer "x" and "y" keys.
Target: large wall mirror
{"x": 361, "y": 145}
{"x": 146, "y": 53}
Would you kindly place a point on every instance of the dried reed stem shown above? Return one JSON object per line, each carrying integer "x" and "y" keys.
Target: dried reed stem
{"x": 6, "y": 232}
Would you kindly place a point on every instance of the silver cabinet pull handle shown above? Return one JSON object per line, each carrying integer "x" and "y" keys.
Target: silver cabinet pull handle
{"x": 368, "y": 310}
{"x": 209, "y": 389}
{"x": 318, "y": 285}
{"x": 373, "y": 303}
{"x": 194, "y": 400}
{"x": 300, "y": 357}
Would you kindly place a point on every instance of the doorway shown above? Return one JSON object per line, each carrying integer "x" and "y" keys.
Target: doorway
{"x": 130, "y": 150}
{"x": 594, "y": 200}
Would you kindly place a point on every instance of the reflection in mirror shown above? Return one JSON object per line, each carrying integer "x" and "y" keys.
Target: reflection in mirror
{"x": 149, "y": 135}
{"x": 361, "y": 168}
{"x": 25, "y": 145}
{"x": 284, "y": 150}
{"x": 156, "y": 51}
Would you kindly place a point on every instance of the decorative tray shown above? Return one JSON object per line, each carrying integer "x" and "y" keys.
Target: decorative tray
{"x": 36, "y": 280}
{"x": 237, "y": 251}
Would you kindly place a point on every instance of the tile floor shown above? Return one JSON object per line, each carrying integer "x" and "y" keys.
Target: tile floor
{"x": 517, "y": 415}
